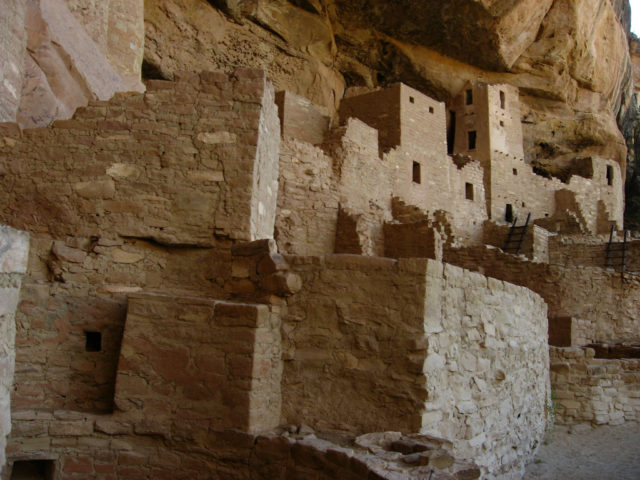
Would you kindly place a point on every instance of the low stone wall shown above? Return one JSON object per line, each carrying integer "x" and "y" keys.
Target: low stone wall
{"x": 603, "y": 304}
{"x": 106, "y": 447}
{"x": 417, "y": 346}
{"x": 14, "y": 247}
{"x": 595, "y": 390}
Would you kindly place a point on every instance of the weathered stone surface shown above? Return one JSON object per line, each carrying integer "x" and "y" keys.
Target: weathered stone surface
{"x": 14, "y": 248}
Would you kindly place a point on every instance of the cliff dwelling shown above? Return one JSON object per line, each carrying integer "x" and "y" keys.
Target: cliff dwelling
{"x": 306, "y": 239}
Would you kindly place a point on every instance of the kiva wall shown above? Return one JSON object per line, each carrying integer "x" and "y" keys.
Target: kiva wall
{"x": 406, "y": 344}
{"x": 602, "y": 303}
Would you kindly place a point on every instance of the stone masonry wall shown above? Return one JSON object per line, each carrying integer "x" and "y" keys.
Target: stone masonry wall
{"x": 141, "y": 192}
{"x": 354, "y": 332}
{"x": 14, "y": 247}
{"x": 486, "y": 368}
{"x": 601, "y": 302}
{"x": 175, "y": 165}
{"x": 417, "y": 346}
{"x": 307, "y": 200}
{"x": 201, "y": 362}
{"x": 594, "y": 390}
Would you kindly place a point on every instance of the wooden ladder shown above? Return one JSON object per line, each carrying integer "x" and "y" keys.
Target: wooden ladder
{"x": 616, "y": 252}
{"x": 516, "y": 236}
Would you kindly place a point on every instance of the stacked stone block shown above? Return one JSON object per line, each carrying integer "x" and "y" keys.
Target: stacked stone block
{"x": 594, "y": 390}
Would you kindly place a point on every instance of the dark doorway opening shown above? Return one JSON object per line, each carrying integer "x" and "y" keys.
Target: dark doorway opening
{"x": 33, "y": 470}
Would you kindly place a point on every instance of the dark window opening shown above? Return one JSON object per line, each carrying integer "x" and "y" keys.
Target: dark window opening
{"x": 469, "y": 97}
{"x": 502, "y": 99}
{"x": 416, "y": 172}
{"x": 515, "y": 171}
{"x": 412, "y": 100}
{"x": 451, "y": 132}
{"x": 472, "y": 139}
{"x": 93, "y": 341}
{"x": 33, "y": 470}
{"x": 523, "y": 204}
{"x": 501, "y": 123}
{"x": 508, "y": 214}
{"x": 430, "y": 109}
{"x": 609, "y": 175}
{"x": 468, "y": 191}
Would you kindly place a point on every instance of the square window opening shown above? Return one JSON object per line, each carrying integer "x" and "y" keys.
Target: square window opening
{"x": 472, "y": 139}
{"x": 501, "y": 123}
{"x": 416, "y": 172}
{"x": 412, "y": 100}
{"x": 469, "y": 97}
{"x": 515, "y": 171}
{"x": 430, "y": 109}
{"x": 609, "y": 175}
{"x": 93, "y": 341}
{"x": 508, "y": 213}
{"x": 468, "y": 191}
{"x": 502, "y": 99}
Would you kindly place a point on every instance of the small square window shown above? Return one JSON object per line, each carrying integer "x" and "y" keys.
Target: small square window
{"x": 501, "y": 123}
{"x": 416, "y": 172}
{"x": 93, "y": 341}
{"x": 469, "y": 97}
{"x": 609, "y": 175}
{"x": 412, "y": 100}
{"x": 468, "y": 191}
{"x": 430, "y": 109}
{"x": 472, "y": 139}
{"x": 515, "y": 171}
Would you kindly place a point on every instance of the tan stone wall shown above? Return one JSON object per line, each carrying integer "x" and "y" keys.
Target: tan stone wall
{"x": 404, "y": 342}
{"x": 604, "y": 305}
{"x": 568, "y": 251}
{"x": 413, "y": 135}
{"x": 115, "y": 447}
{"x": 594, "y": 390}
{"x": 131, "y": 195}
{"x": 379, "y": 110}
{"x": 213, "y": 363}
{"x": 13, "y": 44}
{"x": 14, "y": 247}
{"x": 486, "y": 345}
{"x": 308, "y": 200}
{"x": 354, "y": 332}
{"x": 177, "y": 164}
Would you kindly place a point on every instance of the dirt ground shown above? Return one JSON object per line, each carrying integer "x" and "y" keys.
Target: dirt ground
{"x": 584, "y": 453}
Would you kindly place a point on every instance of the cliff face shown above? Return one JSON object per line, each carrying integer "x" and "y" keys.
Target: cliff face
{"x": 570, "y": 58}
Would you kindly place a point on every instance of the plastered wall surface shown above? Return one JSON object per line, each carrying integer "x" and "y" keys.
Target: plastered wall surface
{"x": 14, "y": 248}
